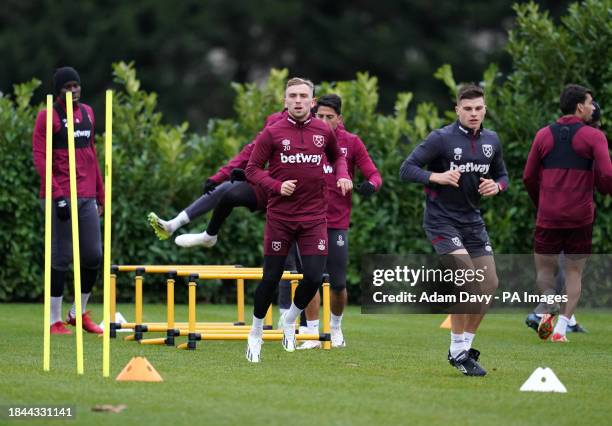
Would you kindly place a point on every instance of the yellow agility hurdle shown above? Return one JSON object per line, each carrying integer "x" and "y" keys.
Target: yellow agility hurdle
{"x": 193, "y": 335}
{"x": 237, "y": 272}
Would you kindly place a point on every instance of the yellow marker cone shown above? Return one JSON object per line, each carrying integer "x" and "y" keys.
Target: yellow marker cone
{"x": 139, "y": 370}
{"x": 446, "y": 323}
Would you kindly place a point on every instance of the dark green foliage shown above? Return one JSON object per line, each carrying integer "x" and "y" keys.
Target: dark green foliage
{"x": 160, "y": 167}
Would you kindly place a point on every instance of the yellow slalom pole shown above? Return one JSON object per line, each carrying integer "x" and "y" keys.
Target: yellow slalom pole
{"x": 113, "y": 296}
{"x": 108, "y": 198}
{"x": 48, "y": 177}
{"x": 326, "y": 314}
{"x": 74, "y": 219}
{"x": 240, "y": 299}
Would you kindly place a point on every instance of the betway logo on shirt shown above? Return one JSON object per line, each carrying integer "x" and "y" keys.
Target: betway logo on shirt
{"x": 470, "y": 167}
{"x": 82, "y": 133}
{"x": 301, "y": 158}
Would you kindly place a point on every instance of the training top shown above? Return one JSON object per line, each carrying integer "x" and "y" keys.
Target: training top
{"x": 339, "y": 206}
{"x": 296, "y": 150}
{"x": 563, "y": 193}
{"x": 88, "y": 178}
{"x": 242, "y": 158}
{"x": 454, "y": 147}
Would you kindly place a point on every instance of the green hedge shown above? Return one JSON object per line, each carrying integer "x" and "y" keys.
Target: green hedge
{"x": 159, "y": 167}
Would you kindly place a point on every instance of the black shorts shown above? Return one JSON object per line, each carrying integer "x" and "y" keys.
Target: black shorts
{"x": 448, "y": 238}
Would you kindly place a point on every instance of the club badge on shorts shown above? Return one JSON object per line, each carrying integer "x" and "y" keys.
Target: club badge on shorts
{"x": 456, "y": 241}
{"x": 276, "y": 245}
{"x": 318, "y": 140}
{"x": 487, "y": 150}
{"x": 340, "y": 241}
{"x": 321, "y": 245}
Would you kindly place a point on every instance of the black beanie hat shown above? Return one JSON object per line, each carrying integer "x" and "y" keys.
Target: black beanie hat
{"x": 62, "y": 76}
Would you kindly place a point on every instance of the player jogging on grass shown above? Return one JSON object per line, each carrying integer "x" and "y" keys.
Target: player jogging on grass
{"x": 568, "y": 160}
{"x": 329, "y": 109}
{"x": 295, "y": 149}
{"x": 464, "y": 163}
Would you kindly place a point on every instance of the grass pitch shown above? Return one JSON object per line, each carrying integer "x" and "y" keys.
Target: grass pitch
{"x": 393, "y": 371}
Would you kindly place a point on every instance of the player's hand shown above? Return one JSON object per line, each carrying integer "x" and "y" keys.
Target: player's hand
{"x": 287, "y": 187}
{"x": 488, "y": 187}
{"x": 62, "y": 209}
{"x": 100, "y": 209}
{"x": 237, "y": 175}
{"x": 345, "y": 185}
{"x": 208, "y": 186}
{"x": 449, "y": 177}
{"x": 365, "y": 189}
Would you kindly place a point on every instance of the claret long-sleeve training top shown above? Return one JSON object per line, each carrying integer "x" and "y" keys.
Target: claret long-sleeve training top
{"x": 354, "y": 150}
{"x": 89, "y": 180}
{"x": 296, "y": 150}
{"x": 561, "y": 174}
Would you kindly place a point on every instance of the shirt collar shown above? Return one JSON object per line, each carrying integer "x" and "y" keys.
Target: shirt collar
{"x": 299, "y": 124}
{"x": 466, "y": 131}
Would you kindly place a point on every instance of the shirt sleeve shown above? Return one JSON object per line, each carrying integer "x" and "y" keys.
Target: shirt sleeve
{"x": 498, "y": 169}
{"x": 262, "y": 152}
{"x": 39, "y": 149}
{"x": 335, "y": 157}
{"x": 366, "y": 165}
{"x": 602, "y": 163}
{"x": 412, "y": 167}
{"x": 531, "y": 173}
{"x": 240, "y": 161}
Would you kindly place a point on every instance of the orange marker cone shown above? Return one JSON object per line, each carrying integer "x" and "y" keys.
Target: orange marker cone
{"x": 139, "y": 370}
{"x": 446, "y": 323}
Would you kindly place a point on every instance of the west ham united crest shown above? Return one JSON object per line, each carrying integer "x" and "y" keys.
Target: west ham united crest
{"x": 276, "y": 245}
{"x": 318, "y": 140}
{"x": 487, "y": 150}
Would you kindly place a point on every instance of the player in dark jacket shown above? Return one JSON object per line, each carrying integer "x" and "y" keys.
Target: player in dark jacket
{"x": 465, "y": 163}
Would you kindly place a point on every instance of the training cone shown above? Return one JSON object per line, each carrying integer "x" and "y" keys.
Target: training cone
{"x": 139, "y": 370}
{"x": 446, "y": 323}
{"x": 543, "y": 380}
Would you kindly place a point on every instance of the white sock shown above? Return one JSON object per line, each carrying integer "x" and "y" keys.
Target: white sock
{"x": 257, "y": 328}
{"x": 292, "y": 314}
{"x": 180, "y": 220}
{"x": 313, "y": 326}
{"x": 56, "y": 309}
{"x": 561, "y": 326}
{"x": 84, "y": 299}
{"x": 457, "y": 344}
{"x": 468, "y": 338}
{"x": 572, "y": 321}
{"x": 336, "y": 321}
{"x": 281, "y": 311}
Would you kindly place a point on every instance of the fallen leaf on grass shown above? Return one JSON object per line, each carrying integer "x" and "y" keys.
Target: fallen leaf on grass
{"x": 107, "y": 408}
